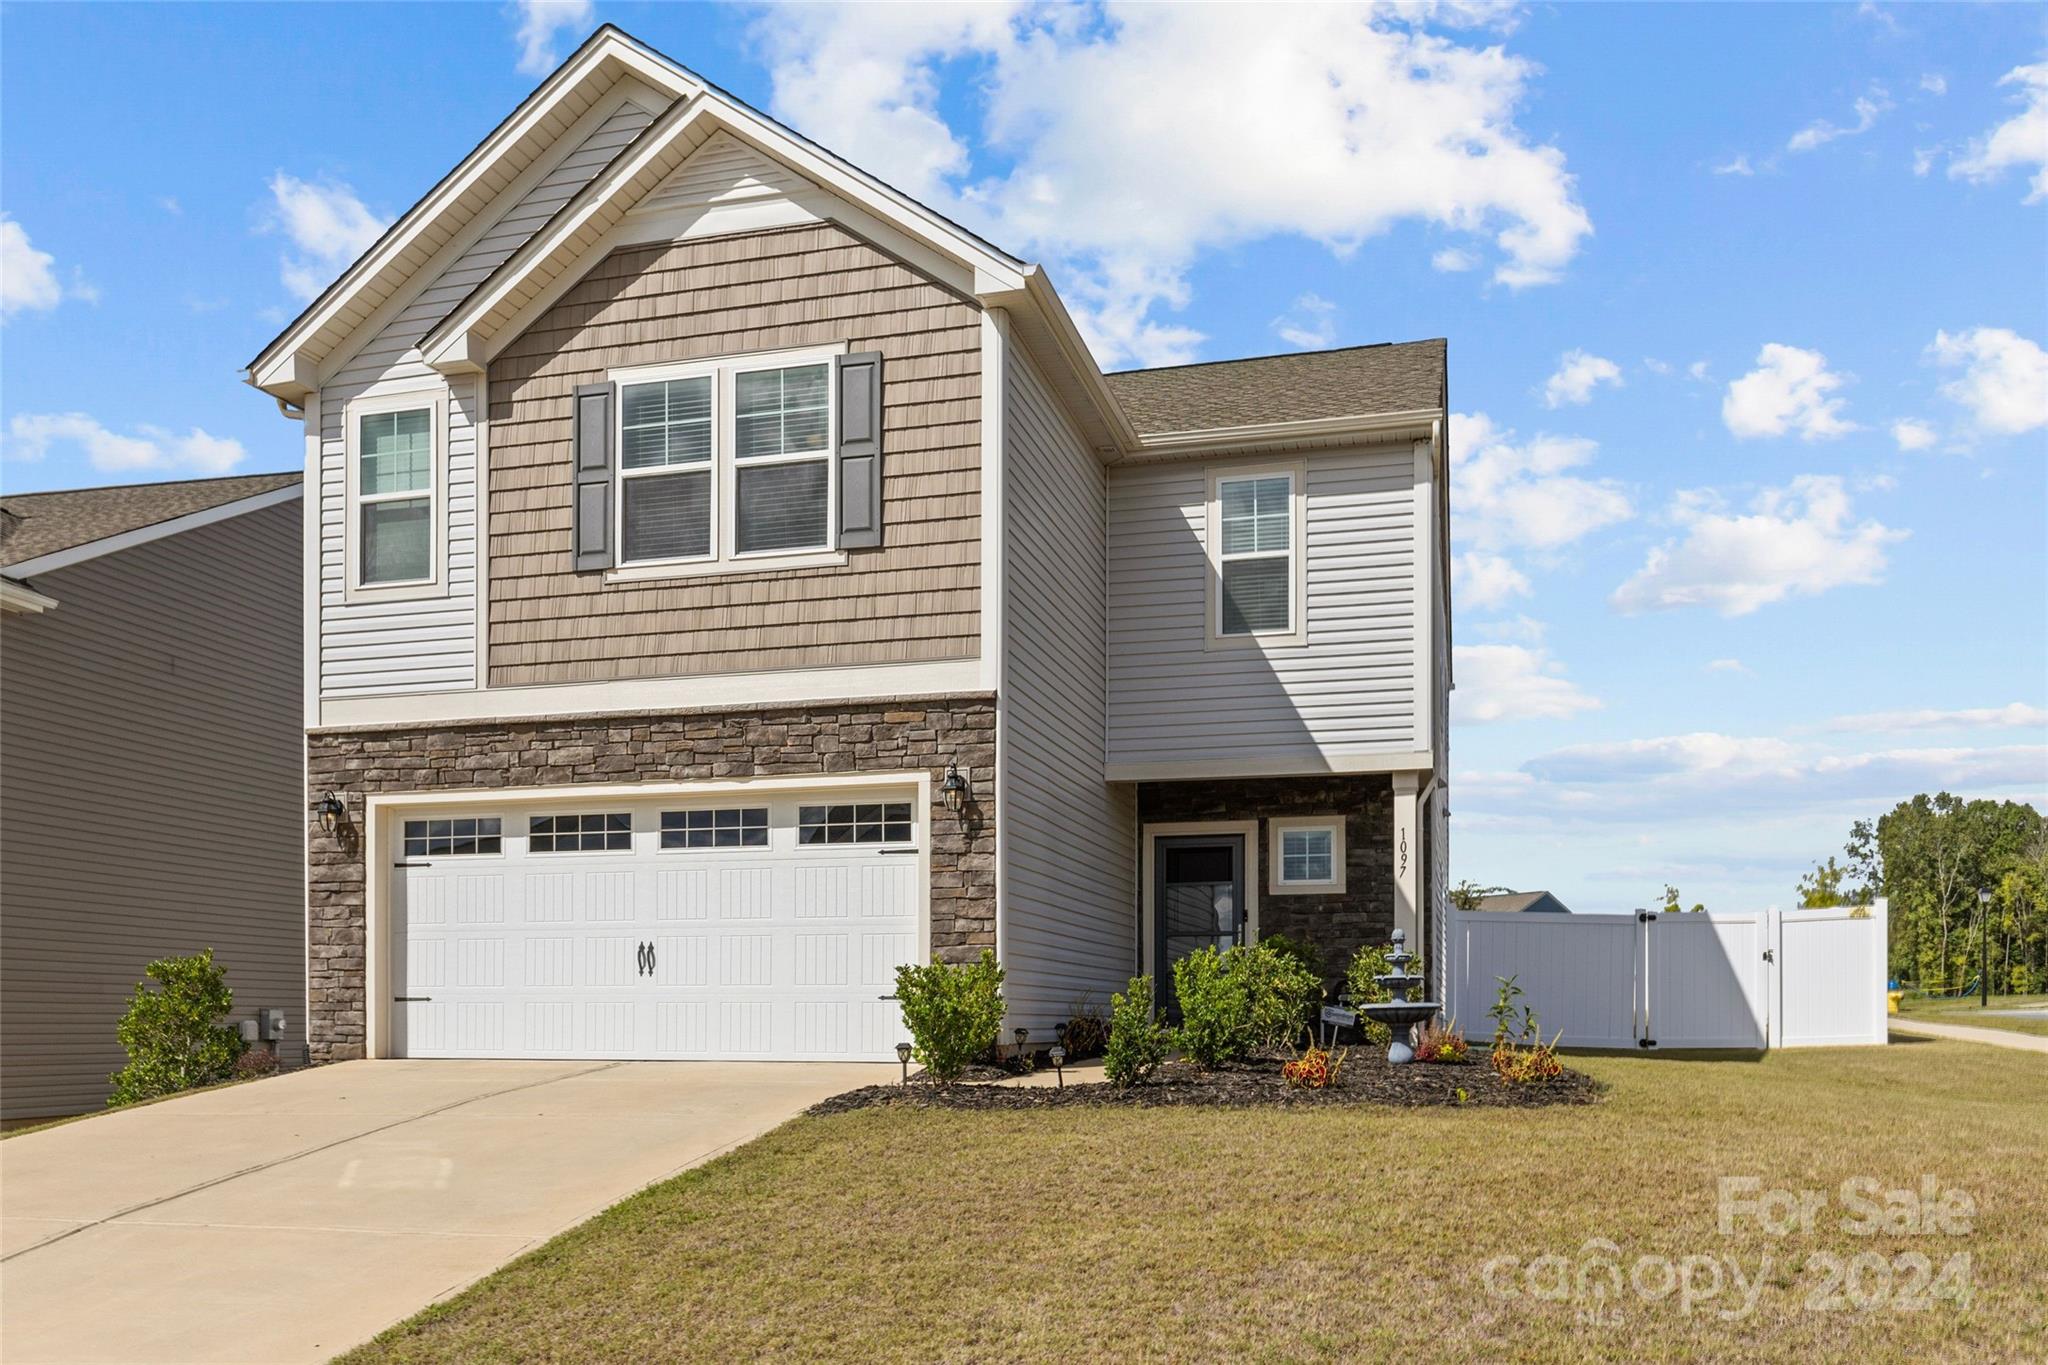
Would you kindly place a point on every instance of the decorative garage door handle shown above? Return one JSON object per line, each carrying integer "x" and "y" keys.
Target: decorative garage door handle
{"x": 650, "y": 959}
{"x": 642, "y": 956}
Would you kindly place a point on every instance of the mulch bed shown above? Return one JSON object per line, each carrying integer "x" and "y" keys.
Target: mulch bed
{"x": 1365, "y": 1079}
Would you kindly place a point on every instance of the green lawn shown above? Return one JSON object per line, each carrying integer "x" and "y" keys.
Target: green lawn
{"x": 1966, "y": 1011}
{"x": 1351, "y": 1234}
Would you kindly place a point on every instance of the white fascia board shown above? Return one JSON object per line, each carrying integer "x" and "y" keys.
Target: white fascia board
{"x": 1292, "y": 763}
{"x": 716, "y": 691}
{"x": 143, "y": 535}
{"x": 608, "y": 54}
{"x": 19, "y": 599}
{"x": 1377, "y": 427}
{"x": 1056, "y": 343}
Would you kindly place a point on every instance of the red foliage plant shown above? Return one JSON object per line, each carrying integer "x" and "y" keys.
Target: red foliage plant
{"x": 1315, "y": 1069}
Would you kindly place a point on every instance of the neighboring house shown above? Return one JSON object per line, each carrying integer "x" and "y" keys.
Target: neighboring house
{"x": 734, "y": 580}
{"x": 1535, "y": 902}
{"x": 150, "y": 764}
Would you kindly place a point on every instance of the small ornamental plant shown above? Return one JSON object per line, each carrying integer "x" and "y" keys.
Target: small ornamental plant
{"x": 1087, "y": 1032}
{"x": 176, "y": 1036}
{"x": 1442, "y": 1044}
{"x": 1315, "y": 1069}
{"x": 1528, "y": 1065}
{"x": 954, "y": 1014}
{"x": 1138, "y": 1042}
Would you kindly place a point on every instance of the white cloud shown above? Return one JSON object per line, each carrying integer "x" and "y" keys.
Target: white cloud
{"x": 1736, "y": 165}
{"x": 327, "y": 224}
{"x": 1656, "y": 366}
{"x": 1453, "y": 259}
{"x": 1517, "y": 494}
{"x": 1923, "y": 159}
{"x": 1697, "y": 370}
{"x": 540, "y": 23}
{"x": 1729, "y": 666}
{"x": 169, "y": 204}
{"x": 30, "y": 436}
{"x": 1789, "y": 390}
{"x": 1796, "y": 541}
{"x": 1702, "y": 775}
{"x": 2004, "y": 382}
{"x": 1338, "y": 123}
{"x": 1933, "y": 83}
{"x": 1310, "y": 324}
{"x": 1513, "y": 682}
{"x": 1483, "y": 581}
{"x": 1913, "y": 434}
{"x": 1821, "y": 132}
{"x": 1518, "y": 629}
{"x": 28, "y": 277}
{"x": 2021, "y": 141}
{"x": 2017, "y": 715}
{"x": 1578, "y": 374}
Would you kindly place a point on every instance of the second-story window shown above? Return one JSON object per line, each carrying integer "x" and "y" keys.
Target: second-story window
{"x": 724, "y": 460}
{"x": 395, "y": 499}
{"x": 1255, "y": 554}
{"x": 665, "y": 468}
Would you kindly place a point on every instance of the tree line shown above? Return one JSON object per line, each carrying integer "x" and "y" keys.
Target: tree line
{"x": 1929, "y": 857}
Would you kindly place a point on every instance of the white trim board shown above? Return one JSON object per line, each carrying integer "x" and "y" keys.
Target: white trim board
{"x": 721, "y": 691}
{"x": 1280, "y": 763}
{"x": 143, "y": 535}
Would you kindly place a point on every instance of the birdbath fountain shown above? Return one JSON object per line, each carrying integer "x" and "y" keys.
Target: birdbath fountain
{"x": 1399, "y": 1014}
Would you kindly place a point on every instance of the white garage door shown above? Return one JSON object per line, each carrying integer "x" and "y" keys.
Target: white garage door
{"x": 736, "y": 928}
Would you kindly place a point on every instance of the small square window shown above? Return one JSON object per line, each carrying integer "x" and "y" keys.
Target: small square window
{"x": 452, "y": 838}
{"x": 734, "y": 827}
{"x": 584, "y": 833}
{"x": 1307, "y": 855}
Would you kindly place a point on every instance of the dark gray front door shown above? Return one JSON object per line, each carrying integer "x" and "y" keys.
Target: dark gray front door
{"x": 1197, "y": 900}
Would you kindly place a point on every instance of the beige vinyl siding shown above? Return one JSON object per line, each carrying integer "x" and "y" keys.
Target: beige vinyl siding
{"x": 916, "y": 598}
{"x": 1069, "y": 854}
{"x": 150, "y": 794}
{"x": 1349, "y": 689}
{"x": 371, "y": 647}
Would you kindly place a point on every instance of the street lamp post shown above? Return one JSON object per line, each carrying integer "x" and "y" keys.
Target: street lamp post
{"x": 1983, "y": 947}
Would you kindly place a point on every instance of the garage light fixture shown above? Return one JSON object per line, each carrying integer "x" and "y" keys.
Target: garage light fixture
{"x": 333, "y": 813}
{"x": 954, "y": 788}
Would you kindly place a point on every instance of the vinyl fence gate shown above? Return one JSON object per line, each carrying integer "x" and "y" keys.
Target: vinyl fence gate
{"x": 1769, "y": 978}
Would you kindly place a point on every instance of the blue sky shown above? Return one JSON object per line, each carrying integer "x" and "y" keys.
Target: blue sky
{"x": 1746, "y": 307}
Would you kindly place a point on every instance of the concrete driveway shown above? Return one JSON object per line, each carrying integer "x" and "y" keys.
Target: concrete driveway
{"x": 295, "y": 1217}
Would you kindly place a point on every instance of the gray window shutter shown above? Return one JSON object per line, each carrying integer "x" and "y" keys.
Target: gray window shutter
{"x": 857, "y": 379}
{"x": 592, "y": 490}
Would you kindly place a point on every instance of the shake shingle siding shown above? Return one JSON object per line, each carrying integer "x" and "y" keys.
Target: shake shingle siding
{"x": 916, "y": 598}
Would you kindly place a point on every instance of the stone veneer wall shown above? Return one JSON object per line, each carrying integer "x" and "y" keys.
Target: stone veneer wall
{"x": 1337, "y": 924}
{"x": 898, "y": 735}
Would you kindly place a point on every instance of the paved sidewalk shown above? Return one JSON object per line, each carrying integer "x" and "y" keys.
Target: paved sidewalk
{"x": 1963, "y": 1033}
{"x": 291, "y": 1218}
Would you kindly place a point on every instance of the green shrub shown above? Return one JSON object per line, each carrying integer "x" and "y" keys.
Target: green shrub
{"x": 1307, "y": 954}
{"x": 954, "y": 1014}
{"x": 1137, "y": 1042}
{"x": 174, "y": 1036}
{"x": 1240, "y": 1000}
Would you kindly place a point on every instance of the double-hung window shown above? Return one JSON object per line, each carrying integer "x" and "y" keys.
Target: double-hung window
{"x": 726, "y": 460}
{"x": 1255, "y": 534}
{"x": 394, "y": 483}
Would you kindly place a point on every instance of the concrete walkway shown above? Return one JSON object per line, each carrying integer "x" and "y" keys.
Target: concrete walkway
{"x": 292, "y": 1218}
{"x": 1963, "y": 1033}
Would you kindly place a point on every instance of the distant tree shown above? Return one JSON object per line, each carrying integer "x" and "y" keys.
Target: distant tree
{"x": 1465, "y": 895}
{"x": 1822, "y": 888}
{"x": 1672, "y": 905}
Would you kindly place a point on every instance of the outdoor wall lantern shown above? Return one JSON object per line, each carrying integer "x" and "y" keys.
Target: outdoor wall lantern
{"x": 333, "y": 813}
{"x": 903, "y": 1059}
{"x": 954, "y": 787}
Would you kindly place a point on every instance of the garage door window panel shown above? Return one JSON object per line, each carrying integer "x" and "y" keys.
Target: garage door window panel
{"x": 580, "y": 833}
{"x": 729, "y": 827}
{"x": 855, "y": 823}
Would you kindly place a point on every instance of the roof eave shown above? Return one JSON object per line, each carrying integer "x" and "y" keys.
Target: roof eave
{"x": 1374, "y": 426}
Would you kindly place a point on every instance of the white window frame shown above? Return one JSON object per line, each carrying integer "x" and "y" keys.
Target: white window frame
{"x": 724, "y": 465}
{"x": 435, "y": 401}
{"x": 1296, "y": 633}
{"x": 1278, "y": 827}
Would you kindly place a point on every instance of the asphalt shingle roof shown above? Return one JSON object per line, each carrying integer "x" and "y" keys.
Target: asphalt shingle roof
{"x": 1403, "y": 376}
{"x": 36, "y": 524}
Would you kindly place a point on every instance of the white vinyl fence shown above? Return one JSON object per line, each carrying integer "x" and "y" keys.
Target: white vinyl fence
{"x": 1770, "y": 978}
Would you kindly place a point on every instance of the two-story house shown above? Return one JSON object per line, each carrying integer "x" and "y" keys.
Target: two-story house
{"x": 729, "y": 580}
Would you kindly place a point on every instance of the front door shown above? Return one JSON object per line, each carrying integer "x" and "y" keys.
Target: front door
{"x": 1197, "y": 900}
